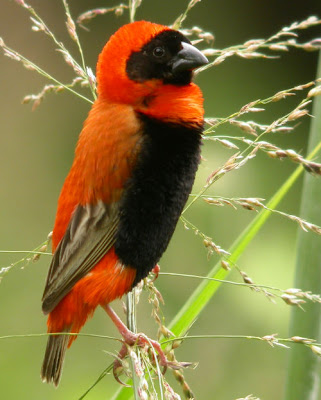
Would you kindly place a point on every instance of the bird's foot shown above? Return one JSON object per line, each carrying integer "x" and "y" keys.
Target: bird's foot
{"x": 130, "y": 339}
{"x": 155, "y": 271}
{"x": 146, "y": 344}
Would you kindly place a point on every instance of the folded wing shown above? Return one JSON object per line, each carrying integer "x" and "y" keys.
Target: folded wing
{"x": 89, "y": 236}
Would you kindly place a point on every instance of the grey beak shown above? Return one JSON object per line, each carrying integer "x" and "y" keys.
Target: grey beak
{"x": 188, "y": 58}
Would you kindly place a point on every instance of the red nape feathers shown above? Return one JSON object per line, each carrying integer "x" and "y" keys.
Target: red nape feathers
{"x": 134, "y": 167}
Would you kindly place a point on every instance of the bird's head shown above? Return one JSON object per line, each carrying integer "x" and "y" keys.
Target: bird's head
{"x": 141, "y": 57}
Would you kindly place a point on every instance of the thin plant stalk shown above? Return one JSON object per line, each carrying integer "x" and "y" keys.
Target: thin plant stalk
{"x": 131, "y": 323}
{"x": 303, "y": 380}
{"x": 74, "y": 35}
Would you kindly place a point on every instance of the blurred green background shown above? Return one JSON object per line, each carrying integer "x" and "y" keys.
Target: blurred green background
{"x": 36, "y": 150}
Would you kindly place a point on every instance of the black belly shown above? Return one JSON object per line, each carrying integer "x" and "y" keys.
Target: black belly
{"x": 156, "y": 193}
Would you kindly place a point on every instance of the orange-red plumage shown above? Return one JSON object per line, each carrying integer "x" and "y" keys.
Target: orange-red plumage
{"x": 105, "y": 283}
{"x": 104, "y": 158}
{"x": 105, "y": 222}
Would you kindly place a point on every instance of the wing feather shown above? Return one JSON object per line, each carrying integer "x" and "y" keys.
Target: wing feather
{"x": 89, "y": 236}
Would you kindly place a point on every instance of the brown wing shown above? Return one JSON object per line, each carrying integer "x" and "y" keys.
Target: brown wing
{"x": 89, "y": 236}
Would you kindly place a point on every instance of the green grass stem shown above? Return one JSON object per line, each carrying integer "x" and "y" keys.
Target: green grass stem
{"x": 303, "y": 381}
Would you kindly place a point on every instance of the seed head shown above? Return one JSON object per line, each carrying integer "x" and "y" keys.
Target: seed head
{"x": 316, "y": 350}
{"x": 315, "y": 91}
{"x": 225, "y": 265}
{"x": 292, "y": 300}
{"x": 299, "y": 339}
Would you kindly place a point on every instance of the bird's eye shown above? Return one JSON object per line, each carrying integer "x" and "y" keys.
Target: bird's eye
{"x": 159, "y": 52}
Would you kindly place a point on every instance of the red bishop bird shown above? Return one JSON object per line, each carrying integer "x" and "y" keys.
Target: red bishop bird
{"x": 134, "y": 167}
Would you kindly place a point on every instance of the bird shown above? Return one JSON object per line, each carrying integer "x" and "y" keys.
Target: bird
{"x": 133, "y": 170}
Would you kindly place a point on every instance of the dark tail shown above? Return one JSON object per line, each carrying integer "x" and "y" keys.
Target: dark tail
{"x": 54, "y": 358}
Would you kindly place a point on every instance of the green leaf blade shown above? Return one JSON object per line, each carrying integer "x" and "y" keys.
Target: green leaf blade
{"x": 303, "y": 379}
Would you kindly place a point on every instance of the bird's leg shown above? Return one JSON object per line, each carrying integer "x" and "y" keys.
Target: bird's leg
{"x": 130, "y": 338}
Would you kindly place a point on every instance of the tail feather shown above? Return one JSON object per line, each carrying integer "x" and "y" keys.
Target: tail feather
{"x": 54, "y": 358}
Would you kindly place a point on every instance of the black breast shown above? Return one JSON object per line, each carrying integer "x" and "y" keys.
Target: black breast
{"x": 156, "y": 193}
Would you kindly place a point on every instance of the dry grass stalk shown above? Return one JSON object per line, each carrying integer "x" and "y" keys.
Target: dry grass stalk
{"x": 87, "y": 16}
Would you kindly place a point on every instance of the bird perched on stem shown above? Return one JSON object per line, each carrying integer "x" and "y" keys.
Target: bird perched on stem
{"x": 134, "y": 167}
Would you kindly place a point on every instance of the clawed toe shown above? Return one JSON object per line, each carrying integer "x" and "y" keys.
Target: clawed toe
{"x": 142, "y": 341}
{"x": 130, "y": 339}
{"x": 156, "y": 271}
{"x": 118, "y": 365}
